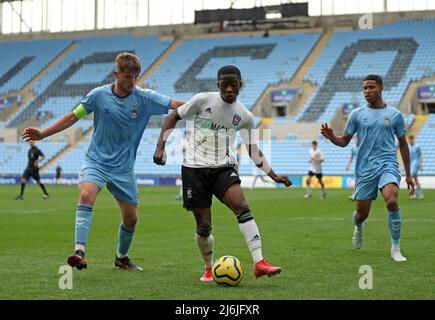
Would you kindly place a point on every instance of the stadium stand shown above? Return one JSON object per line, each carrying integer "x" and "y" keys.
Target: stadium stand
{"x": 86, "y": 67}
{"x": 400, "y": 52}
{"x": 425, "y": 141}
{"x": 23, "y": 60}
{"x": 13, "y": 156}
{"x": 192, "y": 67}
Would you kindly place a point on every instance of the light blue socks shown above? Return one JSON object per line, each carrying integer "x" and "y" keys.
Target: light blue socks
{"x": 125, "y": 236}
{"x": 395, "y": 226}
{"x": 83, "y": 223}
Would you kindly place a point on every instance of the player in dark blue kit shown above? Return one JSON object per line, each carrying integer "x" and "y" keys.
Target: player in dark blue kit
{"x": 376, "y": 166}
{"x": 35, "y": 156}
{"x": 121, "y": 113}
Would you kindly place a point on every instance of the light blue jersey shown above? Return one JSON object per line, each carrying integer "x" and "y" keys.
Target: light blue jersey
{"x": 376, "y": 128}
{"x": 119, "y": 124}
{"x": 376, "y": 163}
{"x": 415, "y": 154}
{"x": 354, "y": 151}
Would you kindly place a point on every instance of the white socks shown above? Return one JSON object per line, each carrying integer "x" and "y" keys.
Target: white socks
{"x": 206, "y": 247}
{"x": 251, "y": 234}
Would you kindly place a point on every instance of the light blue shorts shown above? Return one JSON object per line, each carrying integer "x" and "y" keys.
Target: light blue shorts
{"x": 367, "y": 187}
{"x": 121, "y": 185}
{"x": 414, "y": 168}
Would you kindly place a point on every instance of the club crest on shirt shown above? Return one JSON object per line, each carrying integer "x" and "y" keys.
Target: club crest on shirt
{"x": 387, "y": 121}
{"x": 236, "y": 119}
{"x": 133, "y": 112}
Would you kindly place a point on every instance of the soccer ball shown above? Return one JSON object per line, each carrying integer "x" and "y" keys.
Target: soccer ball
{"x": 227, "y": 270}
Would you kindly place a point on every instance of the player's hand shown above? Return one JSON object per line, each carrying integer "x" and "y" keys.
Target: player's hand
{"x": 159, "y": 156}
{"x": 326, "y": 131}
{"x": 32, "y": 134}
{"x": 282, "y": 179}
{"x": 411, "y": 185}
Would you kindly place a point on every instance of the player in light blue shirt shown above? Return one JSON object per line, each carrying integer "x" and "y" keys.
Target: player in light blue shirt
{"x": 416, "y": 166}
{"x": 376, "y": 167}
{"x": 353, "y": 155}
{"x": 121, "y": 113}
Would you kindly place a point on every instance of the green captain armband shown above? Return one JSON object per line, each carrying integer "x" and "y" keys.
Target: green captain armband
{"x": 80, "y": 111}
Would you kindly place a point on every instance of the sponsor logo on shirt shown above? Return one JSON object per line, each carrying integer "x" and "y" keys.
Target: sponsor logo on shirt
{"x": 222, "y": 129}
{"x": 218, "y": 127}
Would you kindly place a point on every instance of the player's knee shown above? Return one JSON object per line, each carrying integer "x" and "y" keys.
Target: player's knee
{"x": 362, "y": 214}
{"x": 86, "y": 197}
{"x": 24, "y": 181}
{"x": 130, "y": 221}
{"x": 391, "y": 204}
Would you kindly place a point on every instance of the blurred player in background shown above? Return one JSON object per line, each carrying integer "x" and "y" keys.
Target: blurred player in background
{"x": 376, "y": 167}
{"x": 186, "y": 139}
{"x": 58, "y": 173}
{"x": 258, "y": 173}
{"x": 416, "y": 166}
{"x": 315, "y": 160}
{"x": 353, "y": 155}
{"x": 217, "y": 118}
{"x": 35, "y": 157}
{"x": 121, "y": 113}
{"x": 238, "y": 150}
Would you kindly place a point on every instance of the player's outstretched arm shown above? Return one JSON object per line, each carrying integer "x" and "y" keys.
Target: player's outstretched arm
{"x": 176, "y": 103}
{"x": 260, "y": 161}
{"x": 65, "y": 122}
{"x": 340, "y": 141}
{"x": 168, "y": 125}
{"x": 404, "y": 152}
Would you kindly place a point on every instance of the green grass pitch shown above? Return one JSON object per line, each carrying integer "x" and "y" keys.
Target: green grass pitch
{"x": 309, "y": 239}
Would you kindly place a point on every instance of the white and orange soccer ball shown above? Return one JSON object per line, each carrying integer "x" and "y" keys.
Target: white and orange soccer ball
{"x": 227, "y": 270}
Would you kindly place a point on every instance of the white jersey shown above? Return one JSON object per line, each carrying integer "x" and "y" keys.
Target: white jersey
{"x": 316, "y": 158}
{"x": 216, "y": 123}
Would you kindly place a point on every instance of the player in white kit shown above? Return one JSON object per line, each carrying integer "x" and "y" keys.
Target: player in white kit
{"x": 208, "y": 170}
{"x": 315, "y": 160}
